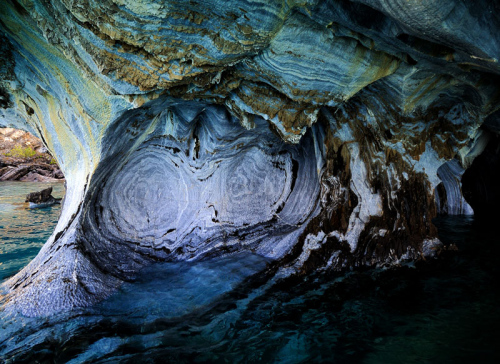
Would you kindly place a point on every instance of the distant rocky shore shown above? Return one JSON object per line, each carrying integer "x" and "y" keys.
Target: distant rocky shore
{"x": 23, "y": 157}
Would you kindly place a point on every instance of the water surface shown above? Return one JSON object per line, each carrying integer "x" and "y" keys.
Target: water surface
{"x": 231, "y": 309}
{"x": 23, "y": 231}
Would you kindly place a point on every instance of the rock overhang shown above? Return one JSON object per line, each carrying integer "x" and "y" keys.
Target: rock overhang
{"x": 333, "y": 117}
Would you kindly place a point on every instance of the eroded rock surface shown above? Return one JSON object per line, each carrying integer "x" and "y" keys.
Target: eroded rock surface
{"x": 315, "y": 133}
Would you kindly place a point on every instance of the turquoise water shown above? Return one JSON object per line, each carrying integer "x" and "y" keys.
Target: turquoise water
{"x": 231, "y": 309}
{"x": 23, "y": 231}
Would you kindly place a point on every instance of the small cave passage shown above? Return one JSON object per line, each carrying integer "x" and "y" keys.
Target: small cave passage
{"x": 24, "y": 157}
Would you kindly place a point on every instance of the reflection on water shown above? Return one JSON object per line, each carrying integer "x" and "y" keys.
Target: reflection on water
{"x": 231, "y": 309}
{"x": 23, "y": 231}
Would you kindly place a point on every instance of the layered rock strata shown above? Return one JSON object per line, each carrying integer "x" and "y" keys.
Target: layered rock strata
{"x": 315, "y": 133}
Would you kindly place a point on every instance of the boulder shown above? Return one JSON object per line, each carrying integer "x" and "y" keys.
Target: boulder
{"x": 41, "y": 198}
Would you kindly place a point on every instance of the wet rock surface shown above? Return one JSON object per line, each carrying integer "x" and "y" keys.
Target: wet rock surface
{"x": 41, "y": 198}
{"x": 323, "y": 135}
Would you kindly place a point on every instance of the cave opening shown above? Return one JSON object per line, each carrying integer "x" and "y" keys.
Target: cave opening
{"x": 26, "y": 167}
{"x": 277, "y": 181}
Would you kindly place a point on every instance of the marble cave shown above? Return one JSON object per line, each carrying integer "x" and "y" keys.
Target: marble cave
{"x": 323, "y": 135}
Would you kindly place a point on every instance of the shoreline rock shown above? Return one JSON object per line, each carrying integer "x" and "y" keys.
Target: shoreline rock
{"x": 35, "y": 165}
{"x": 13, "y": 169}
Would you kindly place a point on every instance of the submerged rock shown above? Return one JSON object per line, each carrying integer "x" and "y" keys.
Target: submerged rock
{"x": 313, "y": 133}
{"x": 41, "y": 199}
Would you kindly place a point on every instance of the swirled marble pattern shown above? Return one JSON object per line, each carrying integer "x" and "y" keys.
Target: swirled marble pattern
{"x": 207, "y": 187}
{"x": 313, "y": 132}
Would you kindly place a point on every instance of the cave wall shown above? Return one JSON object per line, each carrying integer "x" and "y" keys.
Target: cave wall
{"x": 320, "y": 134}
